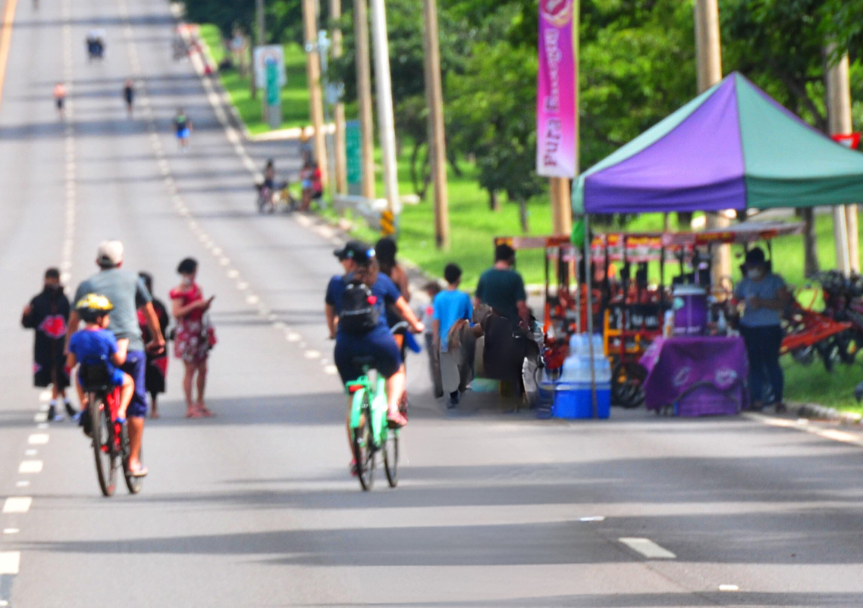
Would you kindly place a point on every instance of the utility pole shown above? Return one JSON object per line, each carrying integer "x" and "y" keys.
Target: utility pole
{"x": 364, "y": 96}
{"x": 339, "y": 110}
{"x": 261, "y": 37}
{"x": 709, "y": 60}
{"x": 313, "y": 70}
{"x": 386, "y": 121}
{"x": 436, "y": 130}
{"x": 839, "y": 120}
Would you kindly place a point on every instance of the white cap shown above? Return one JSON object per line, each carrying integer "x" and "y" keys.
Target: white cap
{"x": 110, "y": 253}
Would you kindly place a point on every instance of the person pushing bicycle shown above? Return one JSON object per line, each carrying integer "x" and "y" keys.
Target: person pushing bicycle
{"x": 356, "y": 315}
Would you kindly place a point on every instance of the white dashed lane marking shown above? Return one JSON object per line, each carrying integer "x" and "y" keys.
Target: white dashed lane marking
{"x": 17, "y": 504}
{"x": 22, "y": 484}
{"x": 647, "y": 548}
{"x": 38, "y": 439}
{"x": 30, "y": 466}
{"x": 11, "y": 530}
{"x": 10, "y": 561}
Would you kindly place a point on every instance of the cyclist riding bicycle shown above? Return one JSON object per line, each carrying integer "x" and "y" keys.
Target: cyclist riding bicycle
{"x": 95, "y": 345}
{"x": 356, "y": 315}
{"x": 127, "y": 293}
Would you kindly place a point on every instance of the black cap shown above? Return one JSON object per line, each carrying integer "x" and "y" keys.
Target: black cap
{"x": 755, "y": 256}
{"x": 356, "y": 251}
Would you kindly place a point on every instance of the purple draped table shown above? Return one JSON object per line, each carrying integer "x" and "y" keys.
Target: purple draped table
{"x": 698, "y": 376}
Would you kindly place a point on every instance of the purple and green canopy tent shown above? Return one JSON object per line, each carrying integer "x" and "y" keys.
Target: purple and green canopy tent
{"x": 732, "y": 147}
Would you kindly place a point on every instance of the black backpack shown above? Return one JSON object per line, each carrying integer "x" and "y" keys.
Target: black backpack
{"x": 358, "y": 313}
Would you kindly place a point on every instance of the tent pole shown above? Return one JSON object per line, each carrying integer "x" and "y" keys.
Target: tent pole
{"x": 589, "y": 311}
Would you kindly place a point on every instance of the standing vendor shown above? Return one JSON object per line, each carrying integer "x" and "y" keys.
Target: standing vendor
{"x": 765, "y": 296}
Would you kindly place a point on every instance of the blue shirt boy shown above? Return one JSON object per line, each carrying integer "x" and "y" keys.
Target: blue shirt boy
{"x": 450, "y": 306}
{"x": 96, "y": 346}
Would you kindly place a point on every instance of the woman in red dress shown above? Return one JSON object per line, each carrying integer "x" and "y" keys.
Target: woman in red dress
{"x": 194, "y": 335}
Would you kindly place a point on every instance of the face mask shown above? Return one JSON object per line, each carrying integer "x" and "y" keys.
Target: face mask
{"x": 186, "y": 281}
{"x": 755, "y": 273}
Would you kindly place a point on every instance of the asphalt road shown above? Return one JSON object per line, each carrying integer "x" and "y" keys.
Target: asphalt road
{"x": 255, "y": 507}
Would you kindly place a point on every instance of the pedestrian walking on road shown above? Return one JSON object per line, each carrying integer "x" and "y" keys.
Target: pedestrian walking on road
{"x": 452, "y": 314}
{"x": 432, "y": 288}
{"x": 60, "y": 99}
{"x": 48, "y": 314}
{"x": 766, "y": 296}
{"x": 129, "y": 95}
{"x": 195, "y": 336}
{"x": 157, "y": 364}
{"x": 127, "y": 294}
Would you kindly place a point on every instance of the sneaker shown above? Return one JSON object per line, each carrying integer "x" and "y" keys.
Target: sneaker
{"x": 84, "y": 422}
{"x": 452, "y": 402}
{"x": 71, "y": 411}
{"x": 353, "y": 468}
{"x": 53, "y": 416}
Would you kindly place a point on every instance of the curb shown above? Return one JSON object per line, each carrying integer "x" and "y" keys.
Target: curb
{"x": 821, "y": 412}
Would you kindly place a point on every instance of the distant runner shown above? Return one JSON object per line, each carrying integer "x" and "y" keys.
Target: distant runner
{"x": 129, "y": 95}
{"x": 183, "y": 127}
{"x": 60, "y": 99}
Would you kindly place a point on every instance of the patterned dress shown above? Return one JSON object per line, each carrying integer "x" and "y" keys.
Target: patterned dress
{"x": 192, "y": 343}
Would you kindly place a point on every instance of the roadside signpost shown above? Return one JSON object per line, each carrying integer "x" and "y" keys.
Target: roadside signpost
{"x": 354, "y": 156}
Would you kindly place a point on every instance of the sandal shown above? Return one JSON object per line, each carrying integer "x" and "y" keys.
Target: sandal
{"x": 194, "y": 413}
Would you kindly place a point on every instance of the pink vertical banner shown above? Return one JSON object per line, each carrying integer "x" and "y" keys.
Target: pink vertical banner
{"x": 555, "y": 99}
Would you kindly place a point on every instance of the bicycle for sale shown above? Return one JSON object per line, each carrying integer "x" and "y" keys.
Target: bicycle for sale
{"x": 110, "y": 438}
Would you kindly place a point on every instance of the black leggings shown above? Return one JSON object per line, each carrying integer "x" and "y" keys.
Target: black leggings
{"x": 762, "y": 346}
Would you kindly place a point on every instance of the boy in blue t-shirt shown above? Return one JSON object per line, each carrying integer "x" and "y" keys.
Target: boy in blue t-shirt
{"x": 450, "y": 306}
{"x": 94, "y": 344}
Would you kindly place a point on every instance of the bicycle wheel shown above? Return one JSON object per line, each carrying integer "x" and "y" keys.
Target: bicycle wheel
{"x": 391, "y": 457}
{"x": 133, "y": 484}
{"x": 364, "y": 447}
{"x": 103, "y": 445}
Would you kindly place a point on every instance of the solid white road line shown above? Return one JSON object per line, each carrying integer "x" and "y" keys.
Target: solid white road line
{"x": 9, "y": 562}
{"x": 647, "y": 548}
{"x": 17, "y": 504}
{"x": 30, "y": 466}
{"x": 38, "y": 439}
{"x": 801, "y": 424}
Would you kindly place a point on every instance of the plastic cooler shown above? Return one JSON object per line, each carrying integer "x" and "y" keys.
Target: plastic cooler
{"x": 572, "y": 400}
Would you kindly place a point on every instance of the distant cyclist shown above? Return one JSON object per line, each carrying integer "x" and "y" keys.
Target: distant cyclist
{"x": 129, "y": 95}
{"x": 182, "y": 128}
{"x": 127, "y": 293}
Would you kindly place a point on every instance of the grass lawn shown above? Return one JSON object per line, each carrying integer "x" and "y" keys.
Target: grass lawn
{"x": 295, "y": 94}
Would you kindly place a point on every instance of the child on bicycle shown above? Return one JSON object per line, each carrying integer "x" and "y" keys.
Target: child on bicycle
{"x": 94, "y": 345}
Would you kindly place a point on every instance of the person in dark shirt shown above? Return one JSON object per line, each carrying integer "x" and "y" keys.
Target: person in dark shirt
{"x": 129, "y": 95}
{"x": 501, "y": 288}
{"x": 157, "y": 364}
{"x": 48, "y": 314}
{"x": 376, "y": 342}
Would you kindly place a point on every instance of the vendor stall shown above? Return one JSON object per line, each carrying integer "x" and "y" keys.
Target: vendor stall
{"x": 731, "y": 148}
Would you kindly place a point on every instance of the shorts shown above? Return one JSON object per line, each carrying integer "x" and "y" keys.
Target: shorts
{"x": 183, "y": 134}
{"x": 116, "y": 380}
{"x": 378, "y": 343}
{"x": 307, "y": 184}
{"x": 59, "y": 103}
{"x": 136, "y": 366}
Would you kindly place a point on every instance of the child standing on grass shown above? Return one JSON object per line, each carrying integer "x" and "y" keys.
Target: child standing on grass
{"x": 450, "y": 307}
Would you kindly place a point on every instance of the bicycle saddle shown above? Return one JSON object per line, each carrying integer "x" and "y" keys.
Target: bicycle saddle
{"x": 364, "y": 362}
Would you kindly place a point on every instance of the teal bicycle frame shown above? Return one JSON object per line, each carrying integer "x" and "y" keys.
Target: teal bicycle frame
{"x": 377, "y": 398}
